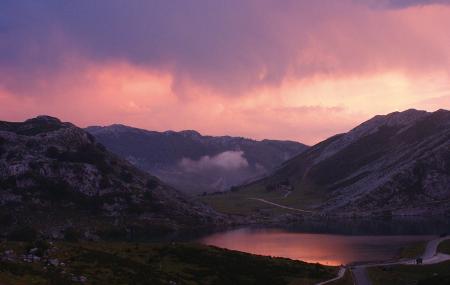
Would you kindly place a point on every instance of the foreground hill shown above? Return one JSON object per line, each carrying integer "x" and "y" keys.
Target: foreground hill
{"x": 194, "y": 163}
{"x": 55, "y": 177}
{"x": 148, "y": 263}
{"x": 397, "y": 164}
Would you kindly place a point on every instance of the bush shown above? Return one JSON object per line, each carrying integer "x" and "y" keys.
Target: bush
{"x": 126, "y": 176}
{"x": 71, "y": 235}
{"x": 87, "y": 154}
{"x": 6, "y": 220}
{"x": 26, "y": 234}
{"x": 10, "y": 182}
{"x": 53, "y": 152}
{"x": 41, "y": 245}
{"x": 54, "y": 190}
{"x": 11, "y": 155}
{"x": 152, "y": 184}
{"x": 31, "y": 143}
{"x": 101, "y": 147}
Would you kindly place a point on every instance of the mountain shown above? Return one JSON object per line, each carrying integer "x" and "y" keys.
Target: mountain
{"x": 55, "y": 176}
{"x": 194, "y": 163}
{"x": 396, "y": 164}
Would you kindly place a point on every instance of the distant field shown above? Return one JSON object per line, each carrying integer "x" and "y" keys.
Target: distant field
{"x": 132, "y": 263}
{"x": 240, "y": 202}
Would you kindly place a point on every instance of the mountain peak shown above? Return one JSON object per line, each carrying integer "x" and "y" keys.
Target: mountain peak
{"x": 34, "y": 126}
{"x": 190, "y": 133}
{"x": 44, "y": 119}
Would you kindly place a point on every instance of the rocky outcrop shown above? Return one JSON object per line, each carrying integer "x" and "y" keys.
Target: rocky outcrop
{"x": 55, "y": 176}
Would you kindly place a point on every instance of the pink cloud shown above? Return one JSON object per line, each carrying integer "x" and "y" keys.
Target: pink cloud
{"x": 302, "y": 78}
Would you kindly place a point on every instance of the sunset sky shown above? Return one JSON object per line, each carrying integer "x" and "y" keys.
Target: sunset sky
{"x": 281, "y": 69}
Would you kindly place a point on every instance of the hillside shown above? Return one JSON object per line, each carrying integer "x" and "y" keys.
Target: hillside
{"x": 55, "y": 177}
{"x": 396, "y": 164}
{"x": 194, "y": 163}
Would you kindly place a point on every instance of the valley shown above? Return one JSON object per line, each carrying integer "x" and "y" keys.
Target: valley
{"x": 67, "y": 197}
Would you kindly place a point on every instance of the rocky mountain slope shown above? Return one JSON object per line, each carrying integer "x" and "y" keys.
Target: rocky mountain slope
{"x": 55, "y": 176}
{"x": 194, "y": 163}
{"x": 397, "y": 164}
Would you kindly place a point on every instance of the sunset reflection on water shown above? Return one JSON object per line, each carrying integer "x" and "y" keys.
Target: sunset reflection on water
{"x": 327, "y": 249}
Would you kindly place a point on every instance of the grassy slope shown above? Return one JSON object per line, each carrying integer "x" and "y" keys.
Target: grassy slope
{"x": 412, "y": 251}
{"x": 403, "y": 274}
{"x": 444, "y": 247}
{"x": 410, "y": 274}
{"x": 238, "y": 202}
{"x": 129, "y": 263}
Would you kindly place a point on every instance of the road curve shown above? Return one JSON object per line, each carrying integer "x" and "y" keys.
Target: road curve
{"x": 430, "y": 256}
{"x": 280, "y": 206}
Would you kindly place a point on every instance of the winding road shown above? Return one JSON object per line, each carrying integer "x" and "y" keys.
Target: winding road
{"x": 430, "y": 256}
{"x": 280, "y": 206}
{"x": 360, "y": 276}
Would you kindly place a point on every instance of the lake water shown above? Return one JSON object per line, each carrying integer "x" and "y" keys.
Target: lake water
{"x": 332, "y": 242}
{"x": 330, "y": 249}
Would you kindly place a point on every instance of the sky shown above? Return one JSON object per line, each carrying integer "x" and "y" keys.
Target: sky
{"x": 280, "y": 69}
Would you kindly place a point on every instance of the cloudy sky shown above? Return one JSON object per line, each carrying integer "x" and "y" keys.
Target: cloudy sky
{"x": 282, "y": 69}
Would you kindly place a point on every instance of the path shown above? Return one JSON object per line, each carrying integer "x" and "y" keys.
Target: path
{"x": 281, "y": 206}
{"x": 360, "y": 276}
{"x": 341, "y": 274}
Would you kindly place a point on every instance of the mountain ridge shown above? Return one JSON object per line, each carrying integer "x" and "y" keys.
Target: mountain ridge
{"x": 395, "y": 164}
{"x": 175, "y": 156}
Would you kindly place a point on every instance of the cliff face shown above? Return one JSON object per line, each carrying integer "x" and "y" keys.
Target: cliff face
{"x": 54, "y": 175}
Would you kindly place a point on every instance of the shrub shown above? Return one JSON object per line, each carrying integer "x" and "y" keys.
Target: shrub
{"x": 53, "y": 152}
{"x": 11, "y": 155}
{"x": 41, "y": 245}
{"x": 71, "y": 235}
{"x": 31, "y": 143}
{"x": 26, "y": 234}
{"x": 101, "y": 147}
{"x": 6, "y": 219}
{"x": 10, "y": 182}
{"x": 152, "y": 184}
{"x": 126, "y": 176}
{"x": 54, "y": 190}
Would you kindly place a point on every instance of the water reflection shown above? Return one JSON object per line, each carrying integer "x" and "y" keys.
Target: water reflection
{"x": 331, "y": 249}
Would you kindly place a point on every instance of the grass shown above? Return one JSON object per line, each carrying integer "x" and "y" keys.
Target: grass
{"x": 153, "y": 263}
{"x": 239, "y": 202}
{"x": 411, "y": 274}
{"x": 413, "y": 251}
{"x": 444, "y": 247}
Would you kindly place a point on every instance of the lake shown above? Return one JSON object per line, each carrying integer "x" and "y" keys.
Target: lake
{"x": 331, "y": 244}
